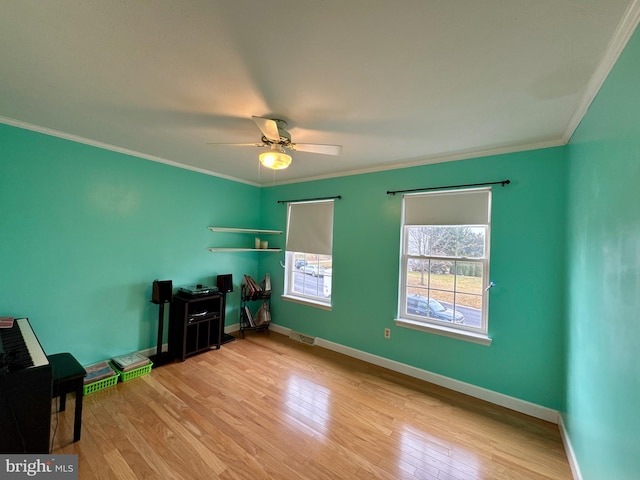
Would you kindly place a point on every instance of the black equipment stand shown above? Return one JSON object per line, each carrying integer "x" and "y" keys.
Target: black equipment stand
{"x": 160, "y": 358}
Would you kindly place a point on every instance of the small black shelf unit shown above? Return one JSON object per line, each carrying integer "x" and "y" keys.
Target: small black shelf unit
{"x": 251, "y": 301}
{"x": 195, "y": 324}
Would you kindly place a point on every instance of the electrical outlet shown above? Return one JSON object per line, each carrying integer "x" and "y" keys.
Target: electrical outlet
{"x": 387, "y": 333}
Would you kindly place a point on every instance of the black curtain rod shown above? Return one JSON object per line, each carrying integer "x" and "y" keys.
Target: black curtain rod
{"x": 502, "y": 182}
{"x": 337, "y": 197}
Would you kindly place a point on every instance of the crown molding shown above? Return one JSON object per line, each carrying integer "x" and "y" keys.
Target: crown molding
{"x": 429, "y": 160}
{"x": 618, "y": 42}
{"x": 113, "y": 148}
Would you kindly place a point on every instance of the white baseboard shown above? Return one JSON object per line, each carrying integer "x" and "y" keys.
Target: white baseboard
{"x": 234, "y": 328}
{"x": 496, "y": 398}
{"x": 147, "y": 352}
{"x": 568, "y": 448}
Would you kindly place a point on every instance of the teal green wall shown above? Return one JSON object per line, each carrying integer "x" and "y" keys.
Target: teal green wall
{"x": 603, "y": 388}
{"x": 526, "y": 359}
{"x": 85, "y": 231}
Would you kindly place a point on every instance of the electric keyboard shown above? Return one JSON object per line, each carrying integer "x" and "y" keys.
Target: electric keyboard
{"x": 20, "y": 346}
{"x": 26, "y": 383}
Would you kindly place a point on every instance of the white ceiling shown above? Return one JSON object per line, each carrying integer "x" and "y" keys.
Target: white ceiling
{"x": 395, "y": 82}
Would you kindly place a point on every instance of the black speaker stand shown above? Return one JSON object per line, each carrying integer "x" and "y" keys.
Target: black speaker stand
{"x": 160, "y": 358}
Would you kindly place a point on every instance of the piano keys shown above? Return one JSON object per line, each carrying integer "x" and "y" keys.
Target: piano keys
{"x": 21, "y": 347}
{"x": 25, "y": 391}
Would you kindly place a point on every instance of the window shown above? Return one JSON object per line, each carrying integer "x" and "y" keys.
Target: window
{"x": 308, "y": 258}
{"x": 444, "y": 266}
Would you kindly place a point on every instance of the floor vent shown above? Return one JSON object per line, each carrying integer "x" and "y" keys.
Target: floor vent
{"x": 299, "y": 337}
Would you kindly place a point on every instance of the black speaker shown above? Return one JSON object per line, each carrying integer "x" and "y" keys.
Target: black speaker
{"x": 162, "y": 291}
{"x": 225, "y": 283}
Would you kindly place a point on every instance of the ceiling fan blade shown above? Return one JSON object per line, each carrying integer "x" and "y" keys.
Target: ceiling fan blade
{"x": 315, "y": 148}
{"x": 255, "y": 144}
{"x": 268, "y": 127}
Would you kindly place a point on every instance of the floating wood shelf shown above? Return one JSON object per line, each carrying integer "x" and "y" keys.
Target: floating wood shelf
{"x": 233, "y": 249}
{"x": 245, "y": 230}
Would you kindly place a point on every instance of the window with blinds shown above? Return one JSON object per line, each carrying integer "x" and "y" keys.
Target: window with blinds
{"x": 444, "y": 265}
{"x": 309, "y": 248}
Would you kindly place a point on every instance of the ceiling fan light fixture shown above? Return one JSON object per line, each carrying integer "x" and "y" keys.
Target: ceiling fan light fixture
{"x": 275, "y": 158}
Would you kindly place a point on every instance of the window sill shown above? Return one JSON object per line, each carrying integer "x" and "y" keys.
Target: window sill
{"x": 444, "y": 331}
{"x": 307, "y": 301}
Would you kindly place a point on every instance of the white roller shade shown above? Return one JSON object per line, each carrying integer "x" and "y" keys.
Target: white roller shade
{"x": 310, "y": 227}
{"x": 460, "y": 207}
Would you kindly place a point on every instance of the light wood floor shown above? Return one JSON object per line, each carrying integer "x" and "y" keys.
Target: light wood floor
{"x": 268, "y": 407}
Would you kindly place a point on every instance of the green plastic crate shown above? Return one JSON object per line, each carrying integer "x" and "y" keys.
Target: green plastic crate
{"x": 94, "y": 387}
{"x": 135, "y": 373}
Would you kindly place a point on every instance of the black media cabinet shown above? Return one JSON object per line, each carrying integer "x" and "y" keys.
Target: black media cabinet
{"x": 195, "y": 324}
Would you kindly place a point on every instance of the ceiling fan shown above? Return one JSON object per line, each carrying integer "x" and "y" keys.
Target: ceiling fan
{"x": 277, "y": 138}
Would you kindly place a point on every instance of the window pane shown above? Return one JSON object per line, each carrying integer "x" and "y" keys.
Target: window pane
{"x": 442, "y": 275}
{"x": 469, "y": 278}
{"x": 445, "y": 311}
{"x": 311, "y": 275}
{"x": 442, "y": 241}
{"x": 471, "y": 307}
{"x": 446, "y": 297}
{"x": 446, "y": 241}
{"x": 470, "y": 241}
{"x": 418, "y": 272}
{"x": 417, "y": 240}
